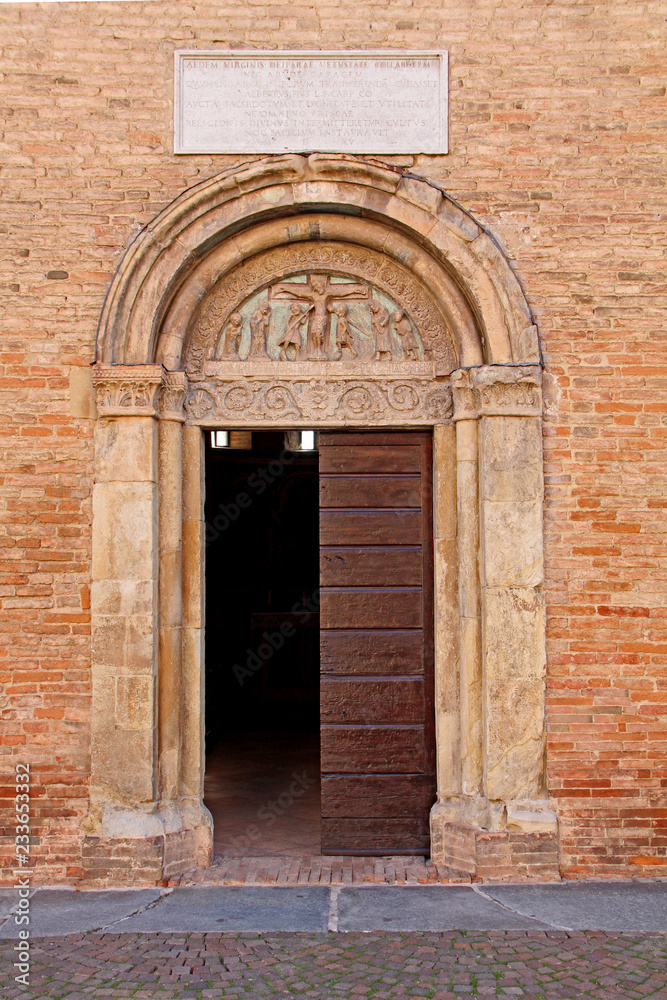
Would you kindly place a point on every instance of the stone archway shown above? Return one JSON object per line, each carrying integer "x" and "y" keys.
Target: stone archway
{"x": 175, "y": 354}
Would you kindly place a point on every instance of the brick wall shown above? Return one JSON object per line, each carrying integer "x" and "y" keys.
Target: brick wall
{"x": 555, "y": 112}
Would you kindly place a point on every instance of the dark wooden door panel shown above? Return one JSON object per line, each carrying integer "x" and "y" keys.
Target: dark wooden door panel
{"x": 376, "y": 642}
{"x": 369, "y": 652}
{"x": 372, "y": 749}
{"x": 370, "y": 491}
{"x": 370, "y": 566}
{"x": 387, "y": 608}
{"x": 370, "y": 458}
{"x": 388, "y": 836}
{"x": 372, "y": 700}
{"x": 397, "y": 796}
{"x": 370, "y": 527}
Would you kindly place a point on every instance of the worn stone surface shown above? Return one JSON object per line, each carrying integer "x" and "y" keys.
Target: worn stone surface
{"x": 512, "y": 543}
{"x": 125, "y": 516}
{"x": 515, "y": 668}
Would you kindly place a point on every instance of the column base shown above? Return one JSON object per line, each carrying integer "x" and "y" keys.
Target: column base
{"x": 494, "y": 841}
{"x": 126, "y": 846}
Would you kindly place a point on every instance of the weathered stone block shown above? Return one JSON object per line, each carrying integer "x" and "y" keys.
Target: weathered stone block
{"x": 134, "y": 702}
{"x": 515, "y": 666}
{"x": 512, "y": 544}
{"x": 125, "y": 531}
{"x": 511, "y": 458}
{"x": 126, "y": 450}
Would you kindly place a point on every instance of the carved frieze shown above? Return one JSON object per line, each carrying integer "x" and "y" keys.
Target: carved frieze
{"x": 329, "y": 401}
{"x": 497, "y": 390}
{"x": 319, "y": 302}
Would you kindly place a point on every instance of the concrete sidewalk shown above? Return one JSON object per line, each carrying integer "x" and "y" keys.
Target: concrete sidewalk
{"x": 626, "y": 906}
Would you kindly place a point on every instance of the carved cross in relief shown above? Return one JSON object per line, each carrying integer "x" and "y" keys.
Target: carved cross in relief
{"x": 321, "y": 294}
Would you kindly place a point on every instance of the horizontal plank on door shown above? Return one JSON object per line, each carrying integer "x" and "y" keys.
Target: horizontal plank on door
{"x": 370, "y": 459}
{"x": 373, "y": 837}
{"x": 370, "y": 491}
{"x": 376, "y": 609}
{"x": 383, "y": 795}
{"x": 372, "y": 749}
{"x": 368, "y": 652}
{"x": 367, "y": 566}
{"x": 368, "y": 701}
{"x": 386, "y": 439}
{"x": 370, "y": 527}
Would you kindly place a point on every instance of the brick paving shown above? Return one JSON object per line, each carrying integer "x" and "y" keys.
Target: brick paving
{"x": 551, "y": 965}
{"x": 321, "y": 870}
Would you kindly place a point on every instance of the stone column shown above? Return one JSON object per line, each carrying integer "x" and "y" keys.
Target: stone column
{"x": 170, "y": 587}
{"x": 124, "y": 603}
{"x": 445, "y": 559}
{"x": 196, "y": 814}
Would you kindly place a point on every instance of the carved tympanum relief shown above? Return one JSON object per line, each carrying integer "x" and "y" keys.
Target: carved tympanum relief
{"x": 315, "y": 317}
{"x": 309, "y": 303}
{"x": 319, "y": 333}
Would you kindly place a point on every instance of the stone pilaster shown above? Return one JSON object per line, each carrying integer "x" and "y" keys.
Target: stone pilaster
{"x": 124, "y": 586}
{"x": 497, "y": 411}
{"x": 136, "y": 626}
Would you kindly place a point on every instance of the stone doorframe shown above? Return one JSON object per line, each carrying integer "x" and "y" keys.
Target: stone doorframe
{"x": 158, "y": 383}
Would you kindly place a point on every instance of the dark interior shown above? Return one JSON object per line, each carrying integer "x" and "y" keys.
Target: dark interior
{"x": 262, "y": 646}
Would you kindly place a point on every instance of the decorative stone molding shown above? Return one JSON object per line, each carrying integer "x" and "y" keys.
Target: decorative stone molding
{"x": 127, "y": 390}
{"x": 497, "y": 390}
{"x": 172, "y": 397}
{"x": 319, "y": 402}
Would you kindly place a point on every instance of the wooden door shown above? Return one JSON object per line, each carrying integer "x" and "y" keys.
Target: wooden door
{"x": 376, "y": 642}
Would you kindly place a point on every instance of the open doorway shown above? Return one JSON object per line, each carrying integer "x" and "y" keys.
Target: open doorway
{"x": 262, "y": 781}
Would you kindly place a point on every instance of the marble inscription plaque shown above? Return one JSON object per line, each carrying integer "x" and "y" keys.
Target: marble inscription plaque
{"x": 278, "y": 102}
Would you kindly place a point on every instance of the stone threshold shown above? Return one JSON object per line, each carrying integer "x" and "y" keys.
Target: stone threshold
{"x": 320, "y": 870}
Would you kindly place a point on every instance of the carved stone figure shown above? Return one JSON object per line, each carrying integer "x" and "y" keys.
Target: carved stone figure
{"x": 405, "y": 333}
{"x": 233, "y": 335}
{"x": 321, "y": 293}
{"x": 259, "y": 330}
{"x": 292, "y": 336}
{"x": 381, "y": 335}
{"x": 343, "y": 337}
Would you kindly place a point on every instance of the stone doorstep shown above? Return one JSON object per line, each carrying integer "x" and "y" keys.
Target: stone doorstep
{"x": 321, "y": 870}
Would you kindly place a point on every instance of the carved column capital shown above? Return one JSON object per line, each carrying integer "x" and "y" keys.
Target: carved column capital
{"x": 497, "y": 390}
{"x": 139, "y": 391}
{"x": 174, "y": 388}
{"x": 465, "y": 398}
{"x": 127, "y": 390}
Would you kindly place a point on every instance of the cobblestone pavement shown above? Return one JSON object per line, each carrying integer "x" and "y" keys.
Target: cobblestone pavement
{"x": 531, "y": 964}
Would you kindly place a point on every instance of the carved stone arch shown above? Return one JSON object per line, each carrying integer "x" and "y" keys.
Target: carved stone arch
{"x": 164, "y": 373}
{"x": 222, "y": 221}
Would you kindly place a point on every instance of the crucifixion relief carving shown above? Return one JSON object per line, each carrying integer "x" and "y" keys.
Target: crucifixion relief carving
{"x": 318, "y": 317}
{"x": 312, "y": 304}
{"x": 321, "y": 296}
